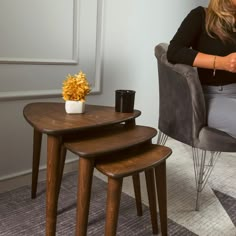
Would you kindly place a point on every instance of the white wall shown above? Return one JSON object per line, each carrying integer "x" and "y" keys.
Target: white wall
{"x": 131, "y": 29}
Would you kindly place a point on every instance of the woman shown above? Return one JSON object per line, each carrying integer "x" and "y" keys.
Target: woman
{"x": 206, "y": 39}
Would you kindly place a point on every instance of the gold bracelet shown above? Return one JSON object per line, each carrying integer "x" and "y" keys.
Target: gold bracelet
{"x": 214, "y": 66}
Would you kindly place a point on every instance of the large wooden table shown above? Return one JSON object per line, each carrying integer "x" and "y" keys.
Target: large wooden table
{"x": 52, "y": 120}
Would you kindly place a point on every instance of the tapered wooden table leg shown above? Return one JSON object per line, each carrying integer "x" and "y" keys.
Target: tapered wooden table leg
{"x": 53, "y": 163}
{"x": 85, "y": 175}
{"x": 137, "y": 193}
{"x": 37, "y": 141}
{"x": 113, "y": 205}
{"x": 150, "y": 182}
{"x": 160, "y": 172}
{"x": 61, "y": 167}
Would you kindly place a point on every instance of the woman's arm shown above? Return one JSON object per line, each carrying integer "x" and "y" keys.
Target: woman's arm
{"x": 227, "y": 63}
{"x": 180, "y": 49}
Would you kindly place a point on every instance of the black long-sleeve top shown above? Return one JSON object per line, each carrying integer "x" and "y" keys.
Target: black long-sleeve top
{"x": 191, "y": 38}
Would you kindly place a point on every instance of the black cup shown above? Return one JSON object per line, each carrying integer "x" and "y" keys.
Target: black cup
{"x": 124, "y": 100}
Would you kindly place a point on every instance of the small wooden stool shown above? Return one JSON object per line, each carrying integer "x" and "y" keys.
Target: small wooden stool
{"x": 145, "y": 158}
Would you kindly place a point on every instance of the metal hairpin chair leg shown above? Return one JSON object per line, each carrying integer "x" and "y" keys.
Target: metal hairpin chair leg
{"x": 161, "y": 138}
{"x": 204, "y": 162}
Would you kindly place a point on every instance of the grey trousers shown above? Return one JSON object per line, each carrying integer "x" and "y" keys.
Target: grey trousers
{"x": 221, "y": 107}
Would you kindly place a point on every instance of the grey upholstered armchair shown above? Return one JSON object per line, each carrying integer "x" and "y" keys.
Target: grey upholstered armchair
{"x": 182, "y": 116}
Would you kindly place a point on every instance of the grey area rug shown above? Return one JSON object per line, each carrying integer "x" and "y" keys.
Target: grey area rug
{"x": 217, "y": 209}
{"x": 20, "y": 215}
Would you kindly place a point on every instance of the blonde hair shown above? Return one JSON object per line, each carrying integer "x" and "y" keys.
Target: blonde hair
{"x": 220, "y": 19}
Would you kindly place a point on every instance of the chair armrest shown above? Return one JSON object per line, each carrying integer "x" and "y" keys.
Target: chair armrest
{"x": 182, "y": 110}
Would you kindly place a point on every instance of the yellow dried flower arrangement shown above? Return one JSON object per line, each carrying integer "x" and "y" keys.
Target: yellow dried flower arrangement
{"x": 75, "y": 87}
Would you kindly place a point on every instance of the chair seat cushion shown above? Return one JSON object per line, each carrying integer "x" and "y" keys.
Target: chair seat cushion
{"x": 216, "y": 140}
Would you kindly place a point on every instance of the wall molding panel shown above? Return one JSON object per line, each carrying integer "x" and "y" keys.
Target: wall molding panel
{"x": 33, "y": 40}
{"x": 72, "y": 57}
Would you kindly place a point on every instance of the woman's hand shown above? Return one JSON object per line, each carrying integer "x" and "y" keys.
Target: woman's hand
{"x": 229, "y": 62}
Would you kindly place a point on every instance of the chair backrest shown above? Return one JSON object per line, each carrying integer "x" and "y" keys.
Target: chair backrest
{"x": 182, "y": 109}
{"x": 181, "y": 115}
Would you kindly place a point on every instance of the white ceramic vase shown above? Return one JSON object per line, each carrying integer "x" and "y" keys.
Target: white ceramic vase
{"x": 74, "y": 107}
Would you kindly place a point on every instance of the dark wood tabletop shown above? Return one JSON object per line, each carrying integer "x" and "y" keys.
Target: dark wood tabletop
{"x": 102, "y": 141}
{"x": 51, "y": 118}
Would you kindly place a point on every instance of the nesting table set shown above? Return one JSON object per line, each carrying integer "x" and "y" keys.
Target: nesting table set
{"x": 91, "y": 135}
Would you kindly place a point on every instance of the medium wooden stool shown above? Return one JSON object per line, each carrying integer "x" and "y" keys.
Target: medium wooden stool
{"x": 100, "y": 143}
{"x": 146, "y": 158}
